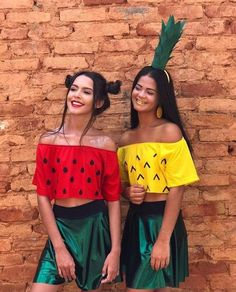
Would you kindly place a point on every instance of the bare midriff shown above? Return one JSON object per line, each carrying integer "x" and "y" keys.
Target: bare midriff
{"x": 71, "y": 202}
{"x": 155, "y": 197}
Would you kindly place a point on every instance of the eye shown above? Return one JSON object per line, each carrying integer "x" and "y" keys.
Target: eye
{"x": 88, "y": 92}
{"x": 151, "y": 92}
{"x": 137, "y": 87}
{"x": 72, "y": 89}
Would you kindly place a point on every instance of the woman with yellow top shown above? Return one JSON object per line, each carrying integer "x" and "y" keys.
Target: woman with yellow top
{"x": 155, "y": 163}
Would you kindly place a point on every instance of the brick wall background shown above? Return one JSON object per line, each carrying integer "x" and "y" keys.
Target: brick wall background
{"x": 43, "y": 40}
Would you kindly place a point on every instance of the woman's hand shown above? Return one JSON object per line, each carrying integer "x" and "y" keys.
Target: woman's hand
{"x": 110, "y": 268}
{"x": 135, "y": 194}
{"x": 160, "y": 256}
{"x": 65, "y": 264}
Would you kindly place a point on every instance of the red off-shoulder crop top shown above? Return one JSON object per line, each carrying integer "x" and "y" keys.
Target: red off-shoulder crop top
{"x": 66, "y": 171}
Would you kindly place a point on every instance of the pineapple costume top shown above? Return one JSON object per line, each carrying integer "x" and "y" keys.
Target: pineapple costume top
{"x": 157, "y": 166}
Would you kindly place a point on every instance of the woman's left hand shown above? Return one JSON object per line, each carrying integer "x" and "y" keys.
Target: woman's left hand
{"x": 110, "y": 268}
{"x": 160, "y": 256}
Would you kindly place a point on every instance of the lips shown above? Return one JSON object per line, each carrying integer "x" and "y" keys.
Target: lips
{"x": 140, "y": 101}
{"x": 76, "y": 103}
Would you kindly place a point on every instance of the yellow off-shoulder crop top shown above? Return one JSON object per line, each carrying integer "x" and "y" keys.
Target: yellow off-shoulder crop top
{"x": 157, "y": 166}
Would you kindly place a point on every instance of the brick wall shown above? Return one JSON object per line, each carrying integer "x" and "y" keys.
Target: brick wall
{"x": 43, "y": 40}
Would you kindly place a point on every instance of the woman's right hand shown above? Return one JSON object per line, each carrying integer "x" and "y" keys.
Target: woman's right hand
{"x": 135, "y": 193}
{"x": 65, "y": 264}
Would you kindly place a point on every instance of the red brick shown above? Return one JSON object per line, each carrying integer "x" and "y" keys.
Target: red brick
{"x": 32, "y": 48}
{"x": 205, "y": 28}
{"x": 102, "y": 2}
{"x": 65, "y": 62}
{"x": 17, "y": 109}
{"x": 222, "y": 254}
{"x": 187, "y": 104}
{"x": 20, "y": 64}
{"x": 204, "y": 268}
{"x": 26, "y": 244}
{"x": 18, "y": 273}
{"x": 207, "y": 209}
{"x": 116, "y": 62}
{"x": 217, "y": 135}
{"x": 148, "y": 29}
{"x": 213, "y": 180}
{"x": 57, "y": 3}
{"x": 16, "y": 4}
{"x": 36, "y": 33}
{"x": 217, "y": 283}
{"x": 14, "y": 34}
{"x": 11, "y": 259}
{"x": 12, "y": 287}
{"x": 71, "y": 47}
{"x": 23, "y": 154}
{"x": 3, "y": 48}
{"x": 86, "y": 30}
{"x": 123, "y": 45}
{"x": 193, "y": 282}
{"x": 29, "y": 17}
{"x": 135, "y": 13}
{"x": 85, "y": 14}
{"x": 232, "y": 269}
{"x": 180, "y": 12}
{"x": 224, "y": 10}
{"x": 206, "y": 42}
{"x": 11, "y": 214}
{"x": 5, "y": 244}
{"x": 209, "y": 120}
{"x": 219, "y": 105}
{"x": 201, "y": 89}
{"x": 211, "y": 150}
{"x": 6, "y": 79}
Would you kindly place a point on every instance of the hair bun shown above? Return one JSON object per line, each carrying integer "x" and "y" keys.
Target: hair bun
{"x": 114, "y": 87}
{"x": 68, "y": 81}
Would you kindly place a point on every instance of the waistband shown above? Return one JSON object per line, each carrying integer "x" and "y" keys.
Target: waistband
{"x": 147, "y": 208}
{"x": 79, "y": 212}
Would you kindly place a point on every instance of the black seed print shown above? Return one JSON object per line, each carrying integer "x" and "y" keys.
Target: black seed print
{"x": 89, "y": 180}
{"x": 91, "y": 162}
{"x": 53, "y": 169}
{"x": 74, "y": 161}
{"x": 82, "y": 169}
{"x": 80, "y": 192}
{"x": 98, "y": 172}
{"x": 71, "y": 179}
{"x": 65, "y": 169}
{"x": 48, "y": 182}
{"x": 64, "y": 191}
{"x": 58, "y": 160}
{"x": 45, "y": 160}
{"x": 96, "y": 193}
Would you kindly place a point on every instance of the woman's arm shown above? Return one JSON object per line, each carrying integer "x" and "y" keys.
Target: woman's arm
{"x": 65, "y": 262}
{"x": 161, "y": 250}
{"x": 111, "y": 265}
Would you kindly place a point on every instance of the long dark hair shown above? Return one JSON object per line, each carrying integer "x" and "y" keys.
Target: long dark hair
{"x": 101, "y": 88}
{"x": 166, "y": 98}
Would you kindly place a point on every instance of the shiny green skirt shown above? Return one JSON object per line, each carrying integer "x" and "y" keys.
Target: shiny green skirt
{"x": 85, "y": 231}
{"x": 141, "y": 229}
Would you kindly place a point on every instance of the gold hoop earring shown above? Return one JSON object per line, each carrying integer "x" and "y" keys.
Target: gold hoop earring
{"x": 159, "y": 112}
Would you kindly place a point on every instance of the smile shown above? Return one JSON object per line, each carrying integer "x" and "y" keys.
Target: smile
{"x": 76, "y": 103}
{"x": 140, "y": 101}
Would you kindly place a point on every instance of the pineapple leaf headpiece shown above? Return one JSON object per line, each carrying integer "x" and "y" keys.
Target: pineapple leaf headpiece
{"x": 169, "y": 36}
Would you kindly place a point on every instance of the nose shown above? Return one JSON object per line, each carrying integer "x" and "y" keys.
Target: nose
{"x": 142, "y": 94}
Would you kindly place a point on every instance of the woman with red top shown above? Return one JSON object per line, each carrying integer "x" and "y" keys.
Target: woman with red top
{"x": 77, "y": 169}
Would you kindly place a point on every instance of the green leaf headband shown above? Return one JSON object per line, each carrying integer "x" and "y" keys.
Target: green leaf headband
{"x": 169, "y": 36}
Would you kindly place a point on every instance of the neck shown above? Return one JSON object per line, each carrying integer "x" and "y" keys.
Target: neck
{"x": 147, "y": 121}
{"x": 75, "y": 125}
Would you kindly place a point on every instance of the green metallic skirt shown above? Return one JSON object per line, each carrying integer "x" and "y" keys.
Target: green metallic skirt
{"x": 141, "y": 229}
{"x": 85, "y": 231}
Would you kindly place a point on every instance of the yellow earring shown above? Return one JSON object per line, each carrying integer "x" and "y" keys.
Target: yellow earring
{"x": 159, "y": 112}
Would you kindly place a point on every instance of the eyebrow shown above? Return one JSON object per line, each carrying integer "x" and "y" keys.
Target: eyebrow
{"x": 82, "y": 87}
{"x": 147, "y": 88}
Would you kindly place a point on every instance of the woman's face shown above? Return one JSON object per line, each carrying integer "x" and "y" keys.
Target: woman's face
{"x": 144, "y": 95}
{"x": 80, "y": 97}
